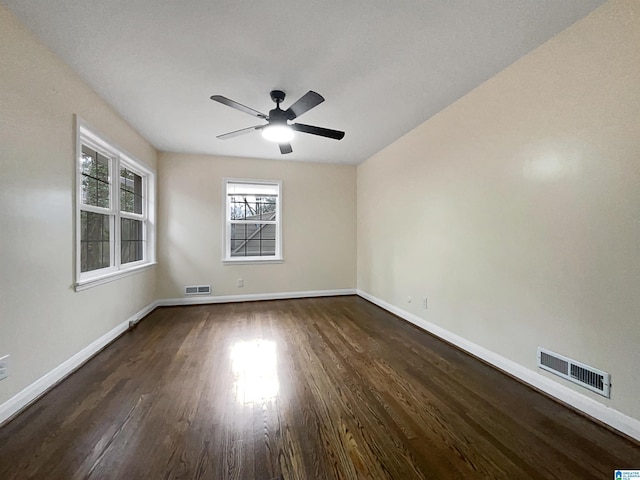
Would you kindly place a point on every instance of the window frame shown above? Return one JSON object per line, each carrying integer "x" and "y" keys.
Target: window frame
{"x": 226, "y": 242}
{"x": 118, "y": 158}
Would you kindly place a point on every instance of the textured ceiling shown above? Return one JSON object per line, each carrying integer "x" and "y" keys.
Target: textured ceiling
{"x": 383, "y": 66}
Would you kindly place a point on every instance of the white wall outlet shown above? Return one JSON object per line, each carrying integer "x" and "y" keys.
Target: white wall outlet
{"x": 240, "y": 282}
{"x": 4, "y": 367}
{"x": 424, "y": 302}
{"x": 409, "y": 299}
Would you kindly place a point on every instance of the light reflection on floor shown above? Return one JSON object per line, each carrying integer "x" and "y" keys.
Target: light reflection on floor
{"x": 254, "y": 367}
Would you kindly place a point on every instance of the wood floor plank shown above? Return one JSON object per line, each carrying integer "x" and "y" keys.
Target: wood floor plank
{"x": 326, "y": 388}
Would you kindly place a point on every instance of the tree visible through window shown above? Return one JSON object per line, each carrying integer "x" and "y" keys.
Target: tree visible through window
{"x": 95, "y": 238}
{"x": 114, "y": 212}
{"x": 131, "y": 228}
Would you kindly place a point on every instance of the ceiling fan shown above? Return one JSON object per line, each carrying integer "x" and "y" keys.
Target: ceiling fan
{"x": 278, "y": 129}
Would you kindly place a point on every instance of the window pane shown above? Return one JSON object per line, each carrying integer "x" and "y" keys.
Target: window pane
{"x": 105, "y": 228}
{"x": 253, "y": 248}
{"x": 238, "y": 208}
{"x": 87, "y": 159}
{"x": 132, "y": 248}
{"x": 103, "y": 168}
{"x": 102, "y": 194}
{"x": 260, "y": 248}
{"x": 268, "y": 247}
{"x": 95, "y": 178}
{"x": 238, "y": 240}
{"x": 106, "y": 253}
{"x": 125, "y": 248}
{"x": 95, "y": 251}
{"x": 266, "y": 207}
{"x": 238, "y": 232}
{"x": 94, "y": 164}
{"x": 269, "y": 232}
{"x": 130, "y": 191}
{"x": 89, "y": 190}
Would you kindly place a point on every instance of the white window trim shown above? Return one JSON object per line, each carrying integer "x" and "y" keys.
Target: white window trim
{"x": 226, "y": 240}
{"x": 87, "y": 135}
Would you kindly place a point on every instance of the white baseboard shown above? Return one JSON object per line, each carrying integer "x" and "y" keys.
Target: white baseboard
{"x": 26, "y": 397}
{"x": 615, "y": 419}
{"x": 611, "y": 417}
{"x": 252, "y": 297}
{"x": 134, "y": 319}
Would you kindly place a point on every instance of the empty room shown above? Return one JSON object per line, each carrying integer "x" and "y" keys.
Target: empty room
{"x": 320, "y": 240}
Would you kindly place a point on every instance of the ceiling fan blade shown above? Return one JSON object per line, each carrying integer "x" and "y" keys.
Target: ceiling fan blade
{"x": 304, "y": 104}
{"x": 285, "y": 148}
{"x": 323, "y": 132}
{"x": 238, "y": 106}
{"x": 235, "y": 133}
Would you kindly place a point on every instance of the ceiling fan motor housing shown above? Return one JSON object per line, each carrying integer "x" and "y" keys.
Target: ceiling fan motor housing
{"x": 277, "y": 116}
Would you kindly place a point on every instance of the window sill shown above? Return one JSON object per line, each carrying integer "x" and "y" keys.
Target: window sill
{"x": 110, "y": 277}
{"x": 250, "y": 261}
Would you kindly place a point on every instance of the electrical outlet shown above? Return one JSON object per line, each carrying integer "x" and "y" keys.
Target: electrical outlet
{"x": 409, "y": 299}
{"x": 4, "y": 367}
{"x": 240, "y": 282}
{"x": 424, "y": 302}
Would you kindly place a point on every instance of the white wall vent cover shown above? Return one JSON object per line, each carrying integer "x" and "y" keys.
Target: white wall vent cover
{"x": 197, "y": 290}
{"x": 576, "y": 372}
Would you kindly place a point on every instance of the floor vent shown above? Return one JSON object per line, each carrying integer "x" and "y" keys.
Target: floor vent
{"x": 576, "y": 372}
{"x": 197, "y": 290}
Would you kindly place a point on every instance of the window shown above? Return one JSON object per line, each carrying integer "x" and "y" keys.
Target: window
{"x": 252, "y": 221}
{"x": 114, "y": 212}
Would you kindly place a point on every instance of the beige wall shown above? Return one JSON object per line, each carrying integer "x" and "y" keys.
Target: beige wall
{"x": 319, "y": 234}
{"x": 43, "y": 322}
{"x": 516, "y": 210}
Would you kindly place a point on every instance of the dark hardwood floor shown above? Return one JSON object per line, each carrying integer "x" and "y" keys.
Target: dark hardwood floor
{"x": 329, "y": 388}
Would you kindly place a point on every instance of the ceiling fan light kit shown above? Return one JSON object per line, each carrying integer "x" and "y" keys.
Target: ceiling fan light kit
{"x": 277, "y": 133}
{"x": 278, "y": 129}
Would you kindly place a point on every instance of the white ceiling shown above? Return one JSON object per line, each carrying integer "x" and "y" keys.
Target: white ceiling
{"x": 383, "y": 66}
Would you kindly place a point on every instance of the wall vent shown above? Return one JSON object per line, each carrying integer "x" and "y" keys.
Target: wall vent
{"x": 576, "y": 372}
{"x": 197, "y": 290}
